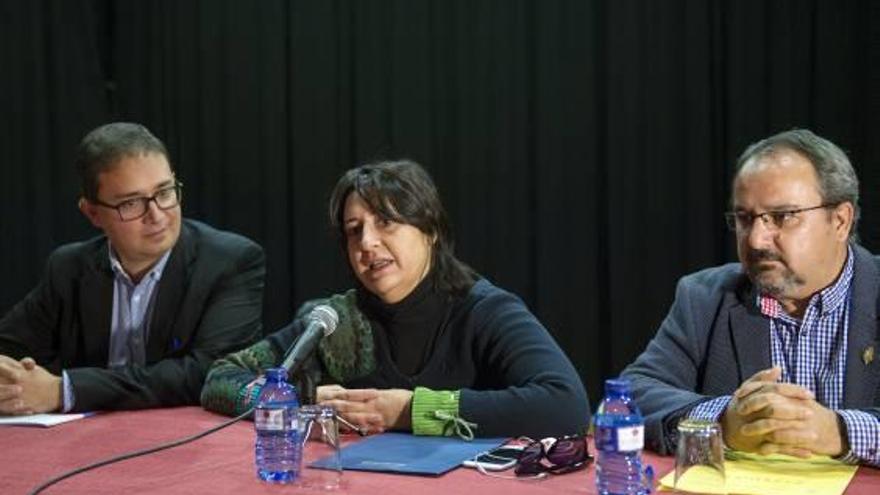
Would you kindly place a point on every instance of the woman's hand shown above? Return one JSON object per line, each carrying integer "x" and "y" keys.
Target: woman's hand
{"x": 371, "y": 409}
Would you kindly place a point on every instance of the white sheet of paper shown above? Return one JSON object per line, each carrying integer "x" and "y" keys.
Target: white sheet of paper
{"x": 44, "y": 420}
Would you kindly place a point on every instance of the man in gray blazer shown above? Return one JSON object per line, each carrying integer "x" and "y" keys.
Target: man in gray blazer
{"x": 778, "y": 348}
{"x": 133, "y": 318}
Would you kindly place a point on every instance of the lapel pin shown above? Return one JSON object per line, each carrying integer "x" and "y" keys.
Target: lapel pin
{"x": 868, "y": 355}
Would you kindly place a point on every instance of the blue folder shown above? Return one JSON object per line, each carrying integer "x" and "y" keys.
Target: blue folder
{"x": 410, "y": 454}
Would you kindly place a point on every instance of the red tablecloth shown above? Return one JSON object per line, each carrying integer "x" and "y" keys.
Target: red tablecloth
{"x": 223, "y": 462}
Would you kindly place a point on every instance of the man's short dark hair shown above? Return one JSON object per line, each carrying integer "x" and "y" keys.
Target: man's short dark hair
{"x": 104, "y": 146}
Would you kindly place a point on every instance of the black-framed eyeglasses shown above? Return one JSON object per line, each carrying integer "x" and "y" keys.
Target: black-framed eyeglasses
{"x": 563, "y": 455}
{"x": 134, "y": 208}
{"x": 774, "y": 221}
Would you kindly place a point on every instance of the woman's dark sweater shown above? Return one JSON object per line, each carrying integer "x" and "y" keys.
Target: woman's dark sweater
{"x": 512, "y": 377}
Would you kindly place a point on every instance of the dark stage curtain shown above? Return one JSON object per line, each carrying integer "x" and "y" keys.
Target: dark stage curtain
{"x": 583, "y": 148}
{"x": 53, "y": 82}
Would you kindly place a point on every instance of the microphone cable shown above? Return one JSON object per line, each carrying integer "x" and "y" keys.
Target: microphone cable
{"x": 138, "y": 453}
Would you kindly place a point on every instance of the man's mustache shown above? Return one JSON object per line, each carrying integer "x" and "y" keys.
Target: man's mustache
{"x": 757, "y": 255}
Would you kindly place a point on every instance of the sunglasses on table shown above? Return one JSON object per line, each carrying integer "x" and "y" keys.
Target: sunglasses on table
{"x": 554, "y": 456}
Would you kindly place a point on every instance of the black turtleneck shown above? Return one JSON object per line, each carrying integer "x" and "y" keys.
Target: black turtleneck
{"x": 409, "y": 328}
{"x": 511, "y": 377}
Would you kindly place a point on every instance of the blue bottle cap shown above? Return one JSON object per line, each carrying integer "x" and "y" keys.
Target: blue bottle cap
{"x": 276, "y": 374}
{"x": 617, "y": 386}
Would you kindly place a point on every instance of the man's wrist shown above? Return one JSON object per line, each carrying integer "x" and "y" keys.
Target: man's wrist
{"x": 841, "y": 435}
{"x": 56, "y": 394}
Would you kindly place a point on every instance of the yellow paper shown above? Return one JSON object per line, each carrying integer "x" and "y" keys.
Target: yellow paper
{"x": 750, "y": 474}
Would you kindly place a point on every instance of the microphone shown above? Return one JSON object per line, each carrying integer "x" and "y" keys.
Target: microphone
{"x": 322, "y": 321}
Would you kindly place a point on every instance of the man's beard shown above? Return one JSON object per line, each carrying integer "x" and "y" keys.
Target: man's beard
{"x": 770, "y": 282}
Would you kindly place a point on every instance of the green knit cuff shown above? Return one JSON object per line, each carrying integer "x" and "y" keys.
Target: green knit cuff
{"x": 248, "y": 395}
{"x": 425, "y": 405}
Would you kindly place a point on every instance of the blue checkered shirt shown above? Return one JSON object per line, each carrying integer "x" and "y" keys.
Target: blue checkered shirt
{"x": 812, "y": 354}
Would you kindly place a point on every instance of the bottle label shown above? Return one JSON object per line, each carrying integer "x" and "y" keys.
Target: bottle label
{"x": 269, "y": 419}
{"x": 630, "y": 438}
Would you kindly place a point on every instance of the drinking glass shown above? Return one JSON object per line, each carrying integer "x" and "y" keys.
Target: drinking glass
{"x": 699, "y": 458}
{"x": 319, "y": 430}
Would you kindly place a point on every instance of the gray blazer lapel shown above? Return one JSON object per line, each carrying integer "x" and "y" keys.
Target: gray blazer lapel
{"x": 749, "y": 333}
{"x": 862, "y": 378}
{"x": 96, "y": 300}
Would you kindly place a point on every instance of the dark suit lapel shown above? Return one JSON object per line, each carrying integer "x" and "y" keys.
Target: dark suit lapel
{"x": 171, "y": 290}
{"x": 861, "y": 376}
{"x": 96, "y": 300}
{"x": 749, "y": 334}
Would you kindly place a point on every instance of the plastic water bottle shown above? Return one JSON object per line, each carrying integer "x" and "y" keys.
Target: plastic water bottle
{"x": 277, "y": 450}
{"x": 620, "y": 437}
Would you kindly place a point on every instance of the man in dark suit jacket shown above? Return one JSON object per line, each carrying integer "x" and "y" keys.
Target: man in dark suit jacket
{"x": 131, "y": 319}
{"x": 779, "y": 348}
